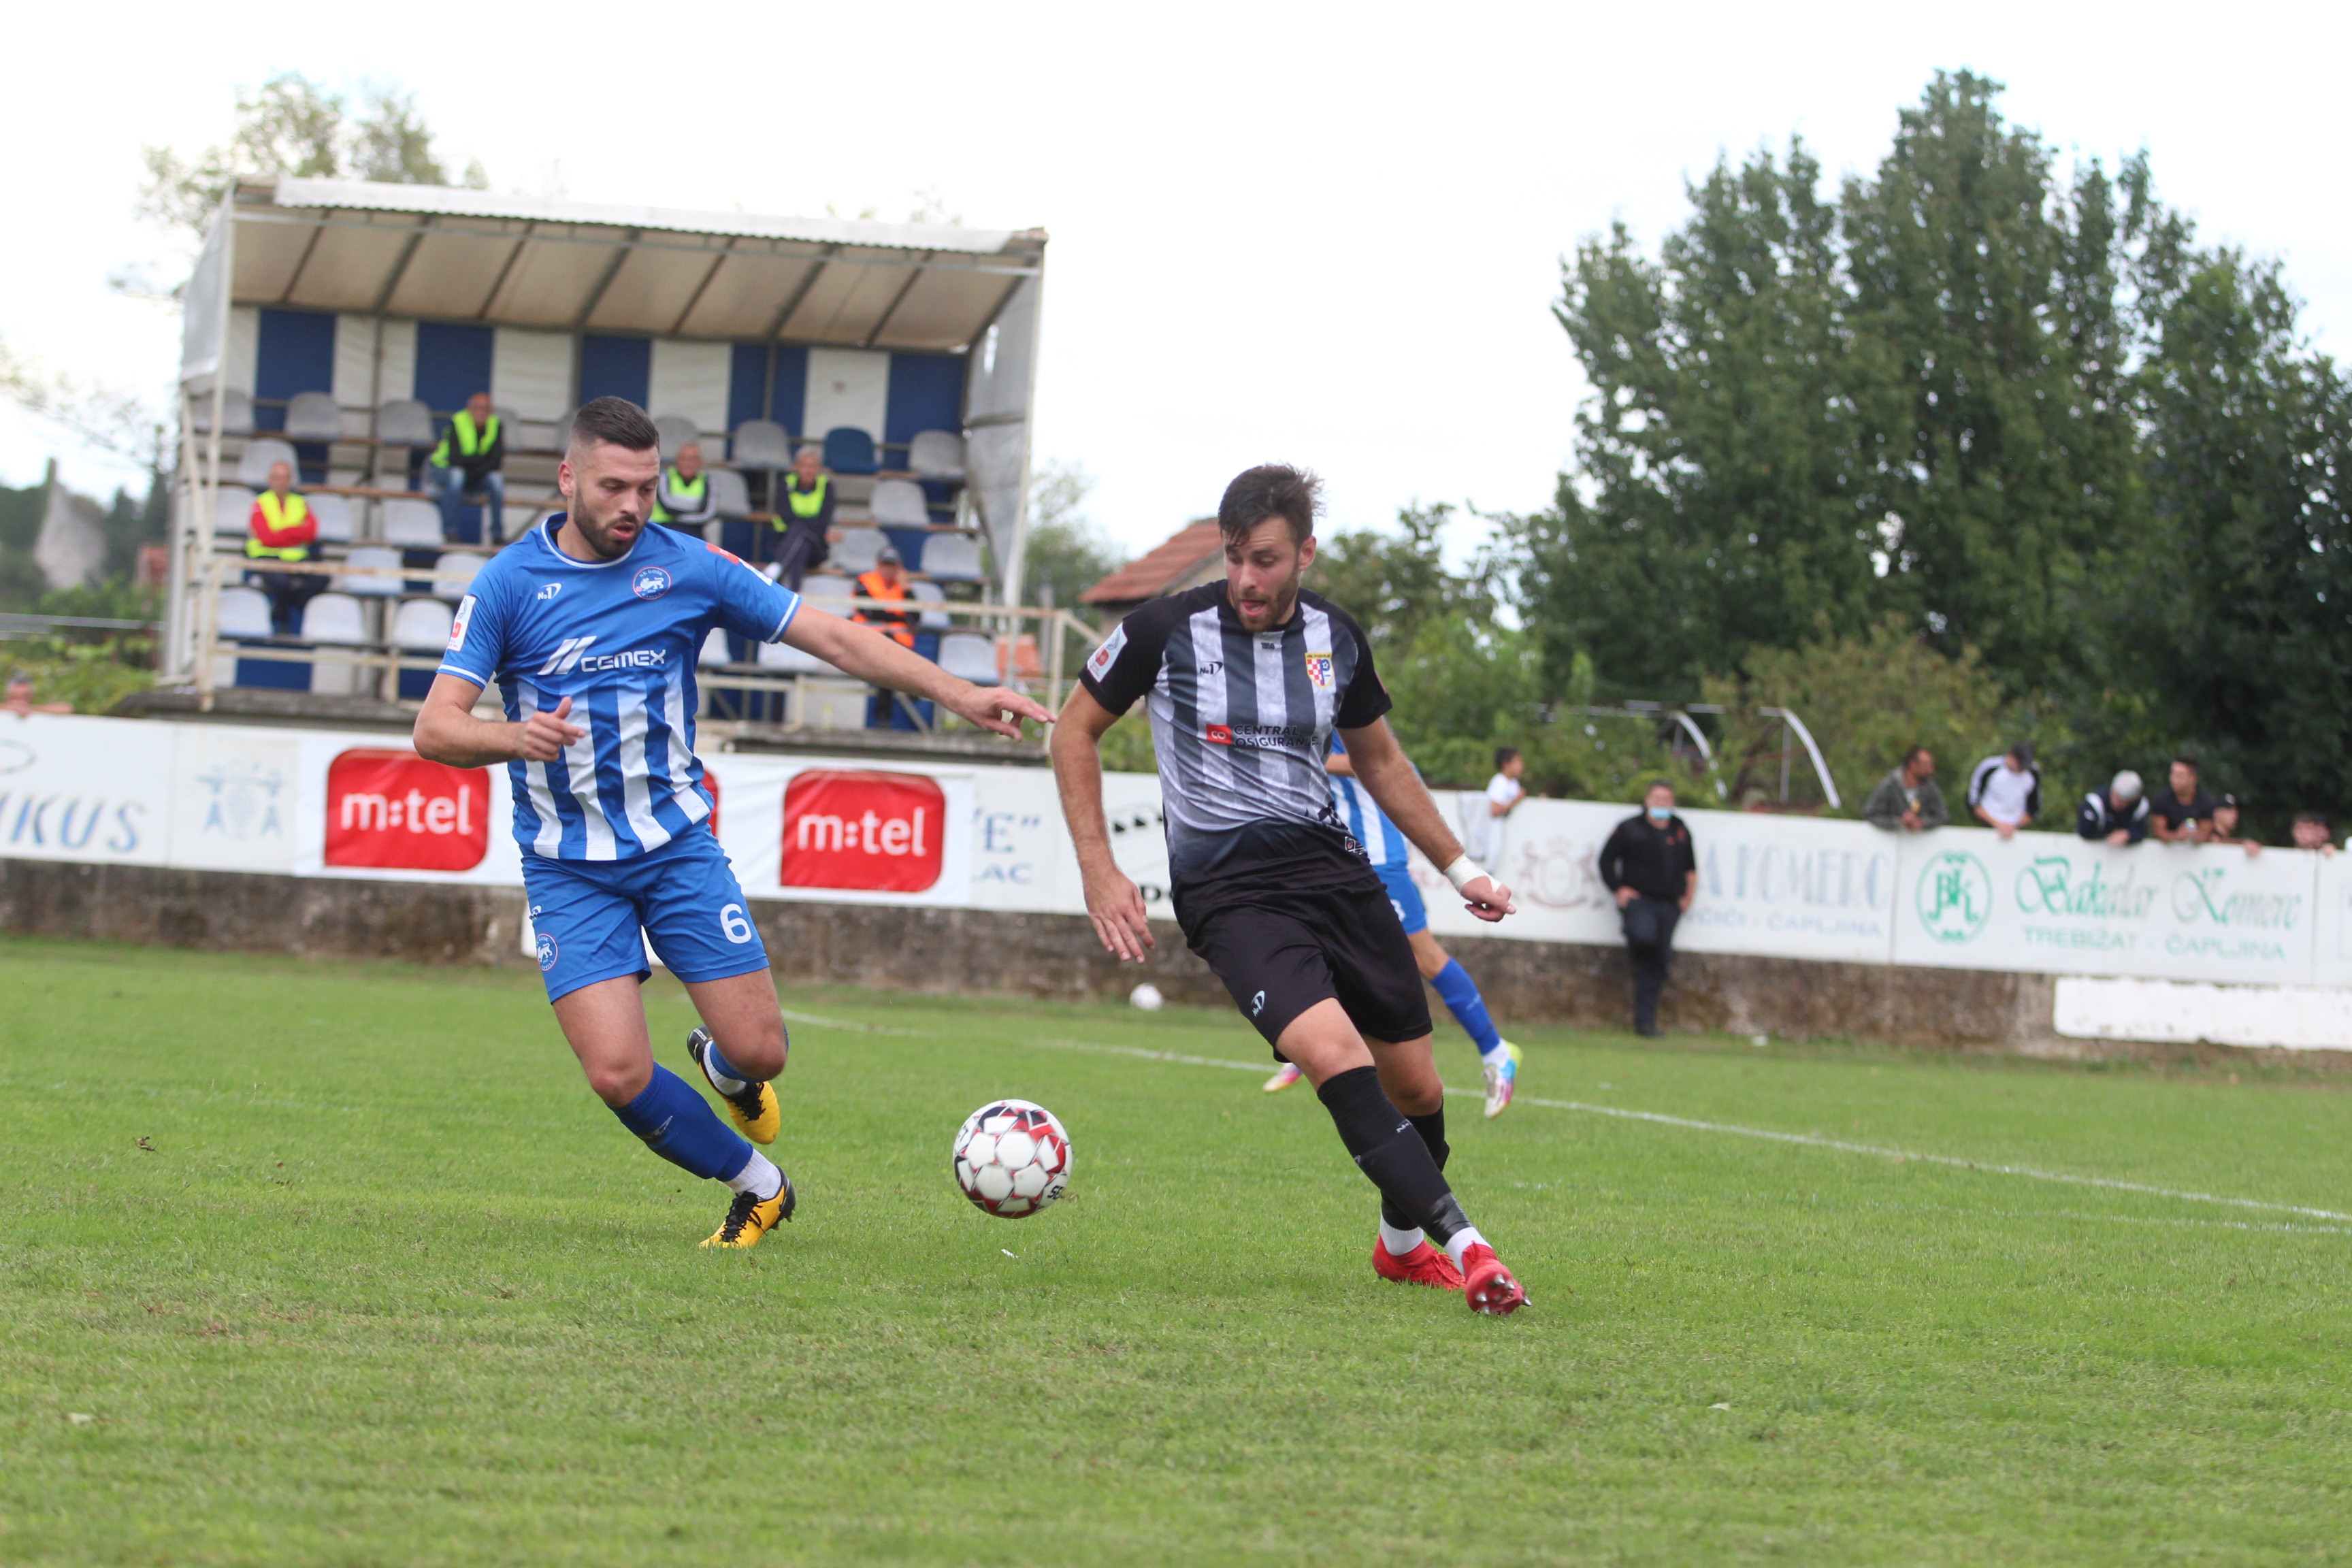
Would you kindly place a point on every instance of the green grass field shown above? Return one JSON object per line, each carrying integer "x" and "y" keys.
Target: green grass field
{"x": 333, "y": 1263}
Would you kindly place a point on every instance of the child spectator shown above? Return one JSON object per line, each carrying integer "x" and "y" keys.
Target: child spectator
{"x": 1482, "y": 835}
{"x": 2225, "y": 826}
{"x": 2312, "y": 832}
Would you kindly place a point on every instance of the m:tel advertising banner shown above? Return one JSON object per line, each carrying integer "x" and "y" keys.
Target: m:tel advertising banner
{"x": 319, "y": 802}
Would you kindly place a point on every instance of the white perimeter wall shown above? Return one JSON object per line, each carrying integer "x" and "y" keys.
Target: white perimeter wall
{"x": 2157, "y": 941}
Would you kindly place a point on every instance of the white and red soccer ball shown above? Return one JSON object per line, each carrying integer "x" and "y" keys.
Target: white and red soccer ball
{"x": 1012, "y": 1158}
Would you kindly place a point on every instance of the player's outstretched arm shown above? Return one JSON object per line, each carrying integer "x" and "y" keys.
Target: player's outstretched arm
{"x": 1381, "y": 768}
{"x": 447, "y": 732}
{"x": 1113, "y": 902}
{"x": 862, "y": 651}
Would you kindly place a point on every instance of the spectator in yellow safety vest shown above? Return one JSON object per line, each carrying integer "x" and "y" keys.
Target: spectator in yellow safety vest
{"x": 470, "y": 461}
{"x": 282, "y": 529}
{"x": 797, "y": 542}
{"x": 682, "y": 496}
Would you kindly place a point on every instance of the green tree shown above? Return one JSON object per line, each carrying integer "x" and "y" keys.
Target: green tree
{"x": 292, "y": 125}
{"x": 1068, "y": 553}
{"x": 1393, "y": 584}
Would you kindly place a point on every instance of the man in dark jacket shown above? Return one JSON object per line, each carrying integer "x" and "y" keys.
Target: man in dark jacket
{"x": 1649, "y": 864}
{"x": 2117, "y": 813}
{"x": 1907, "y": 800}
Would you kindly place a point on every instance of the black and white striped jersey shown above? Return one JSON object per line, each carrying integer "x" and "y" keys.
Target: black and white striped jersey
{"x": 1241, "y": 720}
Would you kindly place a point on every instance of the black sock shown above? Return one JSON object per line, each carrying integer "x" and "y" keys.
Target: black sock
{"x": 1389, "y": 1150}
{"x": 1431, "y": 1129}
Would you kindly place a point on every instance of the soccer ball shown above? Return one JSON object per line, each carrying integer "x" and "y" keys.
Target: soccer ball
{"x": 1146, "y": 996}
{"x": 1011, "y": 1158}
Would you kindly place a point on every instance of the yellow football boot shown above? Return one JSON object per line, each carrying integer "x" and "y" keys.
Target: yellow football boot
{"x": 754, "y": 1110}
{"x": 749, "y": 1218}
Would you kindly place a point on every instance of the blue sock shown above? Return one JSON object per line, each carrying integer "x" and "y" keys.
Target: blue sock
{"x": 1460, "y": 994}
{"x": 679, "y": 1125}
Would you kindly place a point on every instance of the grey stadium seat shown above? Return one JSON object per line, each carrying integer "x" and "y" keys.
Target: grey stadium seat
{"x": 899, "y": 503}
{"x": 969, "y": 655}
{"x": 936, "y": 454}
{"x": 730, "y": 494}
{"x": 930, "y": 594}
{"x": 334, "y": 618}
{"x": 252, "y": 467}
{"x": 761, "y": 444}
{"x": 857, "y": 548}
{"x": 714, "y": 650}
{"x": 406, "y": 422}
{"x": 232, "y": 510}
{"x": 452, "y": 574}
{"x": 313, "y": 416}
{"x": 953, "y": 558}
{"x": 334, "y": 515}
{"x": 236, "y": 413}
{"x": 375, "y": 572}
{"x": 786, "y": 659}
{"x": 821, "y": 586}
{"x": 416, "y": 524}
{"x": 421, "y": 626}
{"x": 244, "y": 612}
{"x": 675, "y": 431}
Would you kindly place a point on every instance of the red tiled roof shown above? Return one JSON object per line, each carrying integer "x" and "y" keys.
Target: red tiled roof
{"x": 1148, "y": 576}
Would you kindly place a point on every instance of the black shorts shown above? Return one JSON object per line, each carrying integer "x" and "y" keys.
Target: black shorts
{"x": 1281, "y": 953}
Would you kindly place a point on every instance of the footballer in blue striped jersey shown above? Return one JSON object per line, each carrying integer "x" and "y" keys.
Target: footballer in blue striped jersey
{"x": 1385, "y": 846}
{"x": 590, "y": 626}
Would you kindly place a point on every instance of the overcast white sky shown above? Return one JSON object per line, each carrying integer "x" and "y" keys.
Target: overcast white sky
{"x": 1327, "y": 235}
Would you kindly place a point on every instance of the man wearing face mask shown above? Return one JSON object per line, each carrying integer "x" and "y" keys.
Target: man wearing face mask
{"x": 1649, "y": 866}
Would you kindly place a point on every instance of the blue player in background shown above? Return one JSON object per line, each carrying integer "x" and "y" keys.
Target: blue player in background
{"x": 591, "y": 626}
{"x": 1497, "y": 1057}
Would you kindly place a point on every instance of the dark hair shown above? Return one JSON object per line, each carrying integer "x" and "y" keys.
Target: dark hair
{"x": 615, "y": 421}
{"x": 1656, "y": 783}
{"x": 2023, "y": 753}
{"x": 1909, "y": 755}
{"x": 2184, "y": 759}
{"x": 2319, "y": 817}
{"x": 1271, "y": 489}
{"x": 1504, "y": 754}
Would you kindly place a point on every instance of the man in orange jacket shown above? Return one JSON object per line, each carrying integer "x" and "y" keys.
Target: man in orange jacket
{"x": 888, "y": 581}
{"x": 282, "y": 529}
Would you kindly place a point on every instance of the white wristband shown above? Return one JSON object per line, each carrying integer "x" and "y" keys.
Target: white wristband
{"x": 1464, "y": 871}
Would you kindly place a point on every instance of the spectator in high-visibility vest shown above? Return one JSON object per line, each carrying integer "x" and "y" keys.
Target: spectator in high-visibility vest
{"x": 886, "y": 580}
{"x": 797, "y": 542}
{"x": 282, "y": 529}
{"x": 469, "y": 461}
{"x": 682, "y": 496}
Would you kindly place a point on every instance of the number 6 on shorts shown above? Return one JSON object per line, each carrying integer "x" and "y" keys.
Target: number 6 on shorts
{"x": 732, "y": 925}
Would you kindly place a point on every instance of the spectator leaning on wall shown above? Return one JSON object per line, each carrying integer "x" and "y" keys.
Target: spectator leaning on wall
{"x": 2005, "y": 792}
{"x": 2225, "y": 826}
{"x": 1650, "y": 866}
{"x": 1907, "y": 800}
{"x": 2117, "y": 813}
{"x": 1482, "y": 835}
{"x": 2181, "y": 812}
{"x": 2312, "y": 832}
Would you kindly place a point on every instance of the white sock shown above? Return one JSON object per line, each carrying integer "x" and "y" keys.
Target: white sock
{"x": 758, "y": 1177}
{"x": 1464, "y": 1240}
{"x": 718, "y": 1081}
{"x": 1400, "y": 1242}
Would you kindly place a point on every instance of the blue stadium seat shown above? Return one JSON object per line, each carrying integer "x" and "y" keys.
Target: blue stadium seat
{"x": 849, "y": 450}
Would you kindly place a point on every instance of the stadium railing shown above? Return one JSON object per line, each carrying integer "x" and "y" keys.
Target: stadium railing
{"x": 1033, "y": 647}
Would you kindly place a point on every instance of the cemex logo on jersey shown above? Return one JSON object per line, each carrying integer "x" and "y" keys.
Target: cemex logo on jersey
{"x": 394, "y": 809}
{"x": 651, "y": 582}
{"x": 874, "y": 831}
{"x": 572, "y": 654}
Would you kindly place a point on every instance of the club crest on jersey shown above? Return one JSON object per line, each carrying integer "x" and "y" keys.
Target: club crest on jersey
{"x": 650, "y": 583}
{"x": 1319, "y": 671}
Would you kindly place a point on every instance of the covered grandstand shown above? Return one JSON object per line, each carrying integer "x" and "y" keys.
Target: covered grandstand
{"x": 336, "y": 324}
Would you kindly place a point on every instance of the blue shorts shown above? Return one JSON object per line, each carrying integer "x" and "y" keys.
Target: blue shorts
{"x": 588, "y": 914}
{"x": 1404, "y": 897}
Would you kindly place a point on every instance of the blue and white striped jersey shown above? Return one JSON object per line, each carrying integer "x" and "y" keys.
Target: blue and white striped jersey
{"x": 1385, "y": 846}
{"x": 619, "y": 638}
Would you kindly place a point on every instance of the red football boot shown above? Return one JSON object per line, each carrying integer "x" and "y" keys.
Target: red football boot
{"x": 1425, "y": 1265}
{"x": 1488, "y": 1285}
